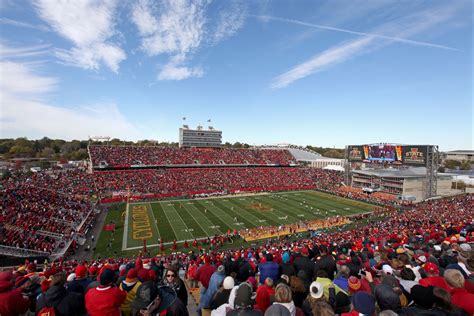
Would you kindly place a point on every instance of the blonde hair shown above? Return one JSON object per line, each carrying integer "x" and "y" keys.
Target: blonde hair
{"x": 283, "y": 293}
{"x": 454, "y": 278}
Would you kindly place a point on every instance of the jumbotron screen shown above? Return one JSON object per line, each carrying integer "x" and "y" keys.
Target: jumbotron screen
{"x": 380, "y": 152}
{"x": 414, "y": 155}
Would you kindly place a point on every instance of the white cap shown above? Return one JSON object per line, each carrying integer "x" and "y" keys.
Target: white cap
{"x": 465, "y": 247}
{"x": 71, "y": 277}
{"x": 228, "y": 283}
{"x": 387, "y": 269}
{"x": 437, "y": 247}
{"x": 316, "y": 290}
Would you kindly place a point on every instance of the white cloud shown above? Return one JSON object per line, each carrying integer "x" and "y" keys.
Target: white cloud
{"x": 337, "y": 29}
{"x": 319, "y": 62}
{"x": 388, "y": 33}
{"x": 22, "y": 52}
{"x": 33, "y": 119}
{"x": 175, "y": 28}
{"x": 24, "y": 111}
{"x": 18, "y": 78}
{"x": 89, "y": 25}
{"x": 230, "y": 20}
{"x": 178, "y": 28}
{"x": 15, "y": 23}
{"x": 171, "y": 72}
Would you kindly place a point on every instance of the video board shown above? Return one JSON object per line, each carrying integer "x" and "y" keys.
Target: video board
{"x": 413, "y": 155}
{"x": 380, "y": 153}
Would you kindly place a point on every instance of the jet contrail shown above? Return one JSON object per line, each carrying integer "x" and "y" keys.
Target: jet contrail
{"x": 337, "y": 29}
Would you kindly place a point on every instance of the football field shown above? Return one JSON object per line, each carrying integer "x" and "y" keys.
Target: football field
{"x": 199, "y": 218}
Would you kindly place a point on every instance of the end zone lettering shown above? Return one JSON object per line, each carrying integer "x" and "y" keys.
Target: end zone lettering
{"x": 141, "y": 226}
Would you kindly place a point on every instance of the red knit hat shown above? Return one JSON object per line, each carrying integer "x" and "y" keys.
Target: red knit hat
{"x": 31, "y": 267}
{"x": 81, "y": 272}
{"x": 143, "y": 275}
{"x": 45, "y": 285}
{"x": 6, "y": 276}
{"x": 93, "y": 270}
{"x": 131, "y": 275}
{"x": 354, "y": 283}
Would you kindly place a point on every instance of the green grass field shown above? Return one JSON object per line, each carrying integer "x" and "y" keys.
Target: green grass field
{"x": 200, "y": 218}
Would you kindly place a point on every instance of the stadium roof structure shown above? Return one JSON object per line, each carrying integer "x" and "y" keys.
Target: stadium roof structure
{"x": 300, "y": 153}
{"x": 414, "y": 172}
{"x": 460, "y": 152}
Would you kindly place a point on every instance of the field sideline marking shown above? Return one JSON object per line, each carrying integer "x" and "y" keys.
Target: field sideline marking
{"x": 155, "y": 220}
{"x": 125, "y": 229}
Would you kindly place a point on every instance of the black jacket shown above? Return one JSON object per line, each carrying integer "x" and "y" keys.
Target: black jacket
{"x": 303, "y": 263}
{"x": 287, "y": 269}
{"x": 64, "y": 302}
{"x": 326, "y": 263}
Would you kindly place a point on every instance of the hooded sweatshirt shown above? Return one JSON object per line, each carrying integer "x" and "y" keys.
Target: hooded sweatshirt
{"x": 11, "y": 300}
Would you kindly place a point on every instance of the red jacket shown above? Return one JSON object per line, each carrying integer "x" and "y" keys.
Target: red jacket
{"x": 262, "y": 299}
{"x": 192, "y": 272}
{"x": 105, "y": 301}
{"x": 435, "y": 281}
{"x": 12, "y": 302}
{"x": 463, "y": 299}
{"x": 204, "y": 273}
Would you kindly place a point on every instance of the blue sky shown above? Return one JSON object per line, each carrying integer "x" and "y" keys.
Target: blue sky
{"x": 326, "y": 73}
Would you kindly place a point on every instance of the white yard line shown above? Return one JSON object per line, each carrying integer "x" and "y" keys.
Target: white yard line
{"x": 154, "y": 220}
{"x": 125, "y": 229}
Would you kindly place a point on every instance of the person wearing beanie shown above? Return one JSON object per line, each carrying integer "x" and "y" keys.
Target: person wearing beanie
{"x": 362, "y": 303}
{"x": 81, "y": 282}
{"x": 277, "y": 310}
{"x": 130, "y": 286}
{"x": 302, "y": 262}
{"x": 316, "y": 293}
{"x": 222, "y": 295}
{"x": 12, "y": 301}
{"x": 387, "y": 299}
{"x": 326, "y": 262}
{"x": 58, "y": 297}
{"x": 423, "y": 299}
{"x": 269, "y": 269}
{"x": 286, "y": 267}
{"x": 214, "y": 284}
{"x": 358, "y": 285}
{"x": 105, "y": 299}
{"x": 460, "y": 296}
{"x": 243, "y": 305}
{"x": 264, "y": 292}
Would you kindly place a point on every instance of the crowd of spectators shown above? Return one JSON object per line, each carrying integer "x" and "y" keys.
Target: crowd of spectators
{"x": 126, "y": 156}
{"x": 38, "y": 218}
{"x": 416, "y": 262}
{"x": 208, "y": 179}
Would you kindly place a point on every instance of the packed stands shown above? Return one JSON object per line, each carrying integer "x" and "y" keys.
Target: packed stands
{"x": 192, "y": 181}
{"x": 128, "y": 156}
{"x": 416, "y": 262}
{"x": 38, "y": 218}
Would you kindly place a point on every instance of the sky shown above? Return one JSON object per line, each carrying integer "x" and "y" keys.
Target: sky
{"x": 324, "y": 73}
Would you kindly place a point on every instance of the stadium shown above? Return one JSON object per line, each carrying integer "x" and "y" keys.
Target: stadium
{"x": 182, "y": 203}
{"x": 336, "y": 177}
